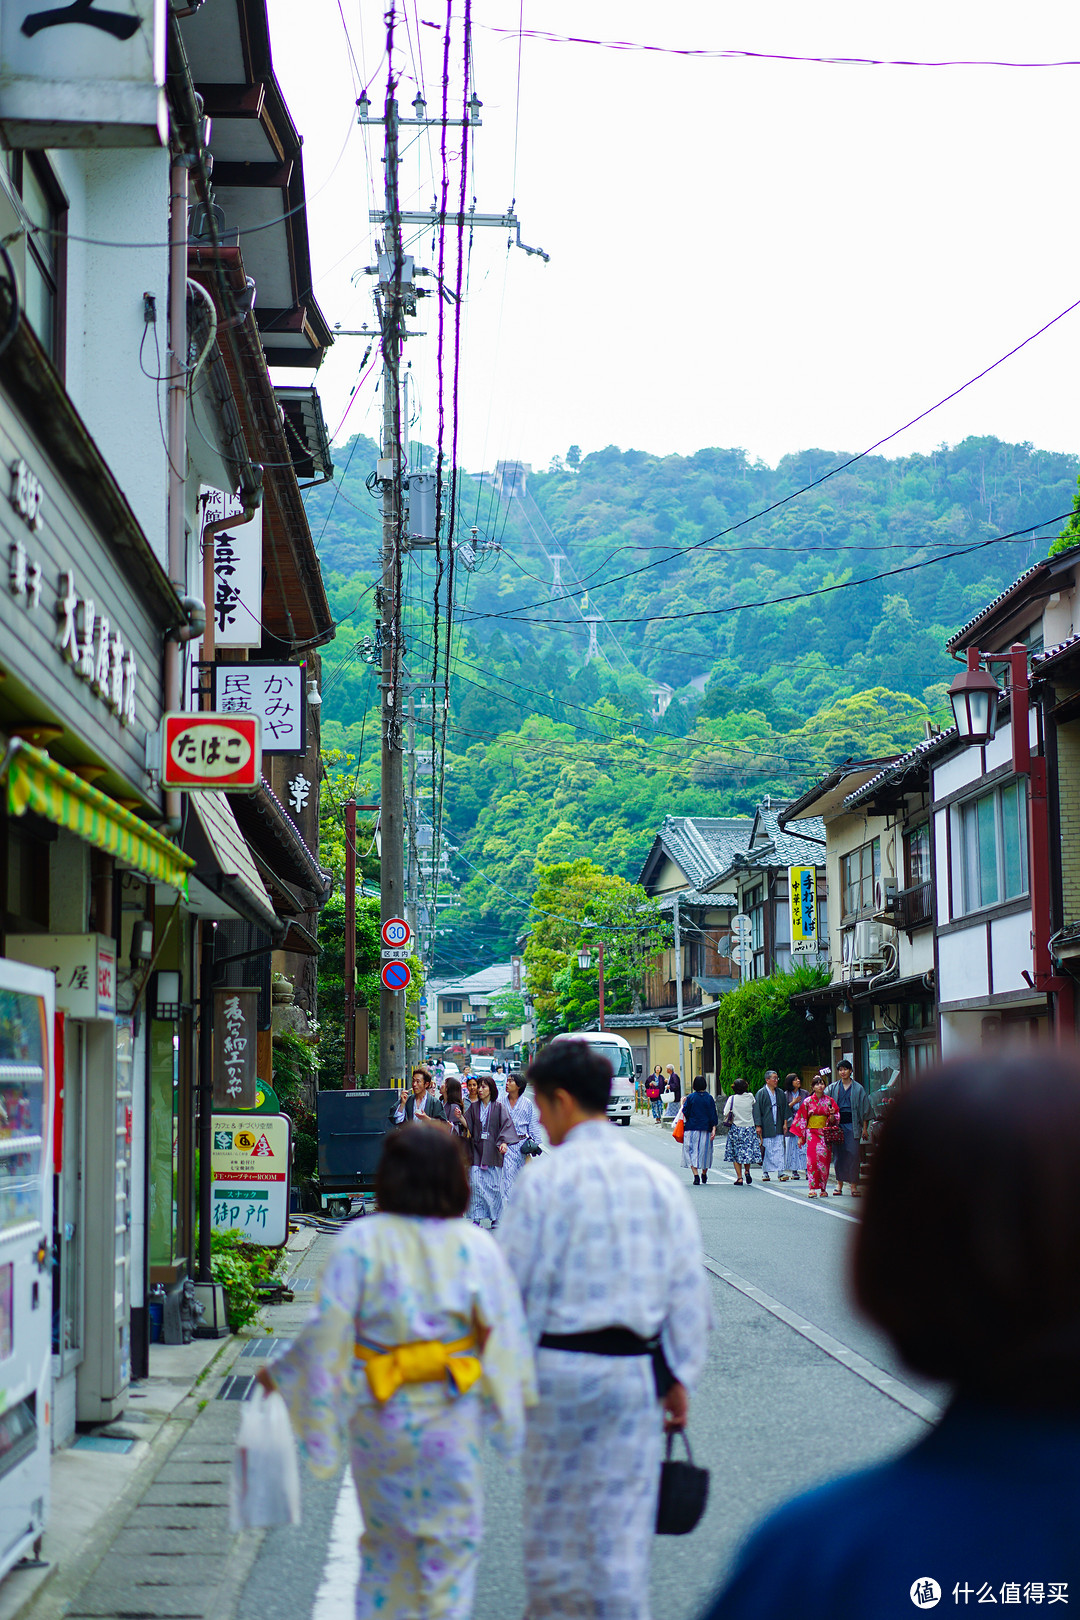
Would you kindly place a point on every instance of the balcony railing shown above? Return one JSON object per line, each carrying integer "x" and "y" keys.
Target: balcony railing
{"x": 914, "y": 907}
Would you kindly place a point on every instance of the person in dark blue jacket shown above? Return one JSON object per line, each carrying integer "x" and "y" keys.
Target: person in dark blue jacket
{"x": 969, "y": 1259}
{"x": 699, "y": 1129}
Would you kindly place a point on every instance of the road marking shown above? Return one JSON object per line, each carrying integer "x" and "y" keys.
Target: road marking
{"x": 336, "y": 1597}
{"x": 882, "y": 1381}
{"x": 804, "y": 1203}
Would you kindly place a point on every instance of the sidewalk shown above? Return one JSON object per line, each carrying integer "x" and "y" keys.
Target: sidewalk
{"x": 146, "y": 1532}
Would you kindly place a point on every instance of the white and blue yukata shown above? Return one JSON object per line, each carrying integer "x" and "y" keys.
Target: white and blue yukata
{"x": 794, "y": 1150}
{"x": 580, "y": 1236}
{"x": 525, "y": 1116}
{"x": 395, "y": 1280}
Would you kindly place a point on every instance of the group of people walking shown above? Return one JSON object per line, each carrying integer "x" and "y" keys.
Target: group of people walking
{"x": 788, "y": 1131}
{"x": 498, "y": 1134}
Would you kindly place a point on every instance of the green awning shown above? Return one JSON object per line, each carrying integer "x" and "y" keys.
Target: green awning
{"x": 36, "y": 782}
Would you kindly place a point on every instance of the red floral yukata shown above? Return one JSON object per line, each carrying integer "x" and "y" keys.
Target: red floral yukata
{"x": 818, "y": 1151}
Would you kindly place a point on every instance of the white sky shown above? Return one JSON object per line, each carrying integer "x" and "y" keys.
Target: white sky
{"x": 772, "y": 255}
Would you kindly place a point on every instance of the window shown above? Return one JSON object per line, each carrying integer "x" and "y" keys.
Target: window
{"x": 859, "y": 872}
{"x": 754, "y": 905}
{"x": 917, "y": 855}
{"x": 993, "y": 848}
{"x": 453, "y": 1006}
{"x": 41, "y": 267}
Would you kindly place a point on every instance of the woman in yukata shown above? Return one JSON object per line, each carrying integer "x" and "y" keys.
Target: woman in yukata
{"x": 794, "y": 1151}
{"x": 492, "y": 1132}
{"x": 417, "y": 1338}
{"x": 523, "y": 1113}
{"x": 808, "y": 1128}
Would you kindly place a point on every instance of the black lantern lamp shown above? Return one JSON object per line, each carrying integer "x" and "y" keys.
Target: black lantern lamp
{"x": 584, "y": 958}
{"x": 974, "y": 697}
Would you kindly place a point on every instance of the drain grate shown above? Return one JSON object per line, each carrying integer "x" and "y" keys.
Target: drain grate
{"x": 101, "y": 1442}
{"x": 265, "y": 1347}
{"x": 237, "y": 1387}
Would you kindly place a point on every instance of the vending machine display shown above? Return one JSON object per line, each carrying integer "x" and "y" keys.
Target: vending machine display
{"x": 26, "y": 1026}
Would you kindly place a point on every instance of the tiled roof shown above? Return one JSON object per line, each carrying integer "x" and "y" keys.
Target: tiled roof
{"x": 695, "y": 897}
{"x": 1014, "y": 589}
{"x": 1050, "y": 654}
{"x": 648, "y": 1018}
{"x": 702, "y": 846}
{"x": 922, "y": 753}
{"x": 801, "y": 840}
{"x": 488, "y": 981}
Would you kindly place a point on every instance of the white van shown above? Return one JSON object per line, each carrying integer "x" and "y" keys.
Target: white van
{"x": 621, "y": 1057}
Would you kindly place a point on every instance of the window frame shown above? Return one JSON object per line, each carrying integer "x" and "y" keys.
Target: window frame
{"x": 52, "y": 271}
{"x": 969, "y": 852}
{"x": 868, "y": 856}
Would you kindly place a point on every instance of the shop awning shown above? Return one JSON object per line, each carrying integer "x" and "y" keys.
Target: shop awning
{"x": 36, "y": 782}
{"x": 224, "y": 862}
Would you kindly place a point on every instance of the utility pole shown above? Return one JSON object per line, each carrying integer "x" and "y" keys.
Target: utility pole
{"x": 391, "y": 1002}
{"x": 678, "y": 997}
{"x": 349, "y": 1077}
{"x": 601, "y": 984}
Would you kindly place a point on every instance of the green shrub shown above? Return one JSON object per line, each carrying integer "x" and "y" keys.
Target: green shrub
{"x": 240, "y": 1267}
{"x": 758, "y": 1029}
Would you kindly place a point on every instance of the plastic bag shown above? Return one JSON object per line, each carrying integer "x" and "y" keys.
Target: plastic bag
{"x": 266, "y": 1473}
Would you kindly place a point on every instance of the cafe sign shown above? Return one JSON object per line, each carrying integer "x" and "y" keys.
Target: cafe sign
{"x": 204, "y": 750}
{"x": 89, "y": 73}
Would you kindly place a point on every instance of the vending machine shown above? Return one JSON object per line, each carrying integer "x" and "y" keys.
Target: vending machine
{"x": 26, "y": 1067}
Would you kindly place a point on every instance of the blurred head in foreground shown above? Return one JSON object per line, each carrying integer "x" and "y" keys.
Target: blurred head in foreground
{"x": 968, "y": 1254}
{"x": 422, "y": 1172}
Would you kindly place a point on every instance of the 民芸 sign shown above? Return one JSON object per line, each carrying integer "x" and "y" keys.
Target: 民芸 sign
{"x": 250, "y": 1176}
{"x": 275, "y": 692}
{"x": 207, "y": 750}
{"x": 238, "y": 561}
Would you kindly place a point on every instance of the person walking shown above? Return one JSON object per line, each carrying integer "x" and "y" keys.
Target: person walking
{"x": 439, "y": 1072}
{"x": 853, "y": 1103}
{"x": 794, "y": 1151}
{"x": 471, "y": 1088}
{"x": 523, "y": 1113}
{"x": 654, "y": 1092}
{"x": 674, "y": 1083}
{"x": 422, "y": 1104}
{"x": 808, "y": 1127}
{"x": 620, "y": 1322}
{"x": 491, "y": 1132}
{"x": 742, "y": 1148}
{"x": 770, "y": 1118}
{"x": 699, "y": 1131}
{"x": 416, "y": 1343}
{"x": 968, "y": 1262}
{"x": 454, "y": 1109}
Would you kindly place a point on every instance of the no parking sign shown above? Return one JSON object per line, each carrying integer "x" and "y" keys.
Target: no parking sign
{"x": 396, "y": 975}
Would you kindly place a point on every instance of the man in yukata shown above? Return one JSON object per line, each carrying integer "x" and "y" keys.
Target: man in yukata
{"x": 620, "y": 1320}
{"x": 770, "y": 1118}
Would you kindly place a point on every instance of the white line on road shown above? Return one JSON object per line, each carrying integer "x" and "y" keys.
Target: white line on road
{"x": 803, "y": 1203}
{"x": 882, "y": 1381}
{"x": 336, "y": 1597}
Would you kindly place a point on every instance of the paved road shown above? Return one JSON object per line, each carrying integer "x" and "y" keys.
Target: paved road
{"x": 798, "y": 1389}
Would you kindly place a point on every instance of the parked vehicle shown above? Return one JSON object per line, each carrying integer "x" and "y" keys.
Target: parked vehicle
{"x": 619, "y": 1054}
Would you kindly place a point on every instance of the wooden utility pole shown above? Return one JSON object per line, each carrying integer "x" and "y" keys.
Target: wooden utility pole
{"x": 349, "y": 1077}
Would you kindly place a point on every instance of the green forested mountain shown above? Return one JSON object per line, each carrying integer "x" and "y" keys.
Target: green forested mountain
{"x": 775, "y": 676}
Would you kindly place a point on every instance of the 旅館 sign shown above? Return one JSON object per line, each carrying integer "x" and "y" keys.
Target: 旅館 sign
{"x": 85, "y": 73}
{"x": 238, "y": 564}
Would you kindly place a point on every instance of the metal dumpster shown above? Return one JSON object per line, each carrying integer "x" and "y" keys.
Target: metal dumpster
{"x": 351, "y": 1127}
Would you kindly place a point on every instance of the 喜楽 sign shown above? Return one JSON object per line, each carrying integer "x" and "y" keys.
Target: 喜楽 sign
{"x": 202, "y": 749}
{"x": 91, "y": 73}
{"x": 238, "y": 559}
{"x": 802, "y": 888}
{"x": 249, "y": 1167}
{"x": 275, "y": 692}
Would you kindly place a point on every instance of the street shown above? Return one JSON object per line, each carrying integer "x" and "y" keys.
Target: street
{"x": 797, "y": 1390}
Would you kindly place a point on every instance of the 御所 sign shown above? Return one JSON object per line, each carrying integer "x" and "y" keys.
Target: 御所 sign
{"x": 250, "y": 1176}
{"x": 206, "y": 750}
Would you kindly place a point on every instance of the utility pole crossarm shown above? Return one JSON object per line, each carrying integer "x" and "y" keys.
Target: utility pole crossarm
{"x": 508, "y": 221}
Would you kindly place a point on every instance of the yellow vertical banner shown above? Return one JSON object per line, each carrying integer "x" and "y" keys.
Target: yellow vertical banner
{"x": 802, "y": 887}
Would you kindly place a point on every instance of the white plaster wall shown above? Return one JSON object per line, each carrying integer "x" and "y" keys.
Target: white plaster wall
{"x": 941, "y": 865}
{"x": 1010, "y": 941}
{"x": 962, "y": 964}
{"x": 957, "y": 772}
{"x": 961, "y": 1033}
{"x": 120, "y": 196}
{"x": 916, "y": 953}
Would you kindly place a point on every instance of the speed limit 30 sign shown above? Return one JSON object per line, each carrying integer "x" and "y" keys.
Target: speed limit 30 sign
{"x": 396, "y": 931}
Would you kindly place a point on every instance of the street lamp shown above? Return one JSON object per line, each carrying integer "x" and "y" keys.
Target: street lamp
{"x": 974, "y": 696}
{"x": 584, "y": 958}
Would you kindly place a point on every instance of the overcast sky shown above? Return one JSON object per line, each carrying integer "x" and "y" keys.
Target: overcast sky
{"x": 768, "y": 254}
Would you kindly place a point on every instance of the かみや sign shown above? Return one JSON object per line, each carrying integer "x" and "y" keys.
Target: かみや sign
{"x": 235, "y": 1041}
{"x": 207, "y": 750}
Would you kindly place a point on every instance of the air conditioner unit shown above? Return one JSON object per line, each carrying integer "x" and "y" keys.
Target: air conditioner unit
{"x": 884, "y": 894}
{"x": 868, "y": 942}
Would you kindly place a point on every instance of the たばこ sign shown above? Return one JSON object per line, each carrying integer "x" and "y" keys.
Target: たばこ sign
{"x": 207, "y": 750}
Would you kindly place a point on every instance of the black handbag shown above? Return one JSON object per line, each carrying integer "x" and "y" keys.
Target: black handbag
{"x": 684, "y": 1491}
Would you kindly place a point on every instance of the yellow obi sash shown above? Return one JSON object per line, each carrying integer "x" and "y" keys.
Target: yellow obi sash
{"x": 427, "y": 1361}
{"x": 815, "y": 1122}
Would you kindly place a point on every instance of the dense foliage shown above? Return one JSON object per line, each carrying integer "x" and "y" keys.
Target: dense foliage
{"x": 784, "y": 632}
{"x": 758, "y": 1029}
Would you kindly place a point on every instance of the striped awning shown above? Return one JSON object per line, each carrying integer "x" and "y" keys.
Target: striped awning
{"x": 36, "y": 782}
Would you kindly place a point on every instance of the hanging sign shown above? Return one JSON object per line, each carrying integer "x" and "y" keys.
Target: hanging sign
{"x": 396, "y": 975}
{"x": 207, "y": 750}
{"x": 238, "y": 564}
{"x": 250, "y": 1177}
{"x": 277, "y": 693}
{"x": 236, "y": 1014}
{"x": 802, "y": 887}
{"x": 86, "y": 74}
{"x": 84, "y": 966}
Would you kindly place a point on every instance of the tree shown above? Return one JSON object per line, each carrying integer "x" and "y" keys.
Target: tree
{"x": 758, "y": 1029}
